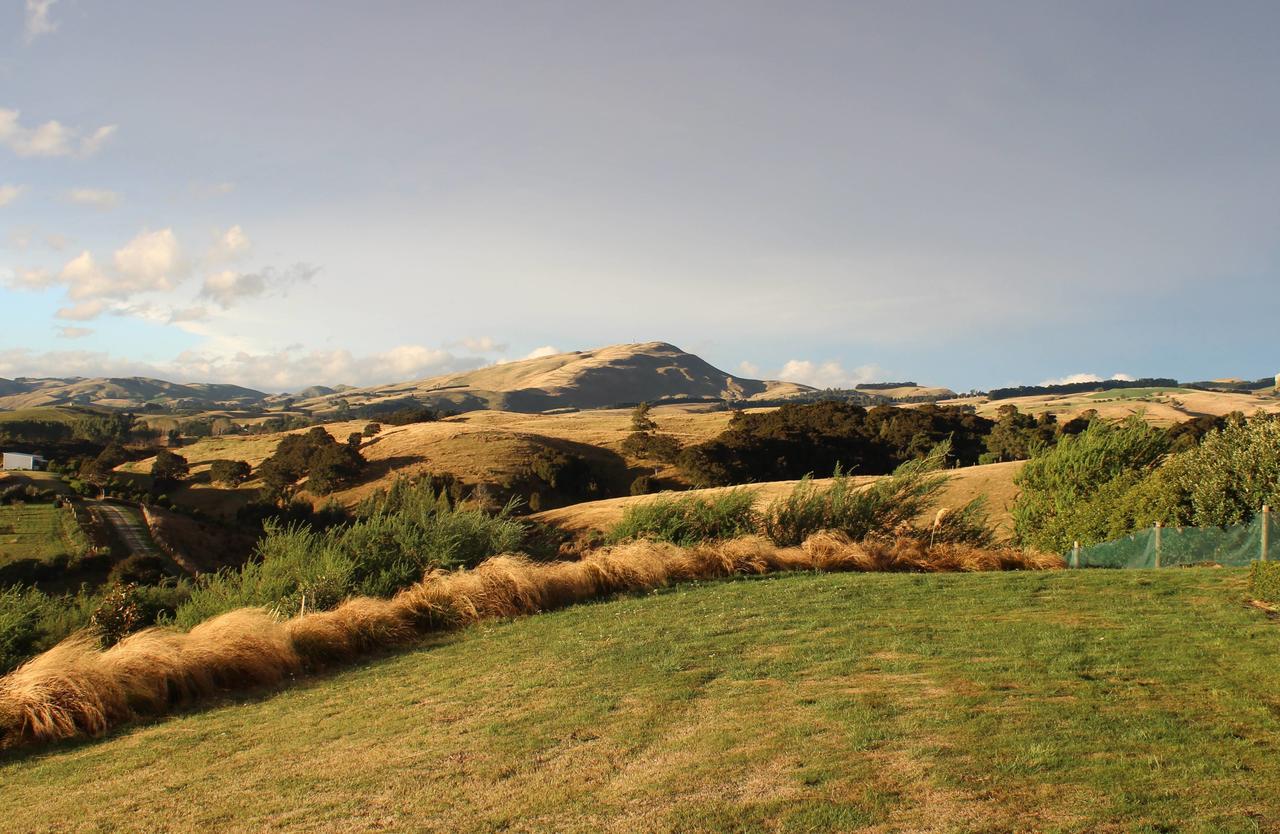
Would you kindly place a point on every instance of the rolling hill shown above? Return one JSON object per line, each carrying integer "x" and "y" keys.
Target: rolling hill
{"x": 606, "y": 377}
{"x": 123, "y": 392}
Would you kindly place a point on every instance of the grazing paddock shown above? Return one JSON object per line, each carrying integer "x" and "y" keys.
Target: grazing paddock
{"x": 1036, "y": 701}
{"x": 38, "y": 531}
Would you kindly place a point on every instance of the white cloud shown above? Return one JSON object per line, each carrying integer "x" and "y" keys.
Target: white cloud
{"x": 285, "y": 370}
{"x": 539, "y": 352}
{"x": 98, "y": 198}
{"x": 749, "y": 369}
{"x": 151, "y": 262}
{"x": 148, "y": 262}
{"x": 829, "y": 374}
{"x": 71, "y": 332}
{"x": 49, "y": 139}
{"x": 228, "y": 288}
{"x": 38, "y": 21}
{"x": 229, "y": 245}
{"x": 32, "y": 279}
{"x": 9, "y": 193}
{"x": 1072, "y": 379}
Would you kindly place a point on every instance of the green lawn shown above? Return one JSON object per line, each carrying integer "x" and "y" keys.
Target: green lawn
{"x": 1066, "y": 701}
{"x": 37, "y": 531}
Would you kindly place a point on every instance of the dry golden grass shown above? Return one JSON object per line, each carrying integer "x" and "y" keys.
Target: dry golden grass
{"x": 477, "y": 447}
{"x": 78, "y": 689}
{"x": 994, "y": 481}
{"x": 1160, "y": 407}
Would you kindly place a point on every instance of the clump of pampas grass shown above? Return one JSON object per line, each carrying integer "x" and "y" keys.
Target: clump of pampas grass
{"x": 80, "y": 689}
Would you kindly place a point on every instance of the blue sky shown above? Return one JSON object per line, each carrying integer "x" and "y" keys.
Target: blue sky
{"x": 283, "y": 194}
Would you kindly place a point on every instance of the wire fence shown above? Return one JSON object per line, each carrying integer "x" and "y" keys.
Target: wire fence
{"x": 1167, "y": 547}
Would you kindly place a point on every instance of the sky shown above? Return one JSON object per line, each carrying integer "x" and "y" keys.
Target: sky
{"x": 967, "y": 194}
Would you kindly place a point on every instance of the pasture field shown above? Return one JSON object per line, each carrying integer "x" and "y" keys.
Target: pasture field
{"x": 1081, "y": 701}
{"x": 1159, "y": 406}
{"x": 38, "y": 531}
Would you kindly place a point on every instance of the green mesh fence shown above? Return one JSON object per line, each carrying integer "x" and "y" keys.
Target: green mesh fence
{"x": 1168, "y": 547}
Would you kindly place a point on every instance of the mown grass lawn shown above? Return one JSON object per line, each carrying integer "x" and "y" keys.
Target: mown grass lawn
{"x": 1064, "y": 701}
{"x": 35, "y": 531}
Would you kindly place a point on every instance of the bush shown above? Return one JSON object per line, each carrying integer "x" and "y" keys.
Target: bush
{"x": 1082, "y": 488}
{"x": 117, "y": 615}
{"x": 1228, "y": 477}
{"x": 647, "y": 446}
{"x": 230, "y": 472}
{"x": 139, "y": 569}
{"x": 402, "y": 534}
{"x": 886, "y": 506}
{"x": 642, "y": 485}
{"x": 799, "y": 439}
{"x": 689, "y": 519}
{"x": 20, "y": 613}
{"x": 1264, "y": 581}
{"x": 169, "y": 467}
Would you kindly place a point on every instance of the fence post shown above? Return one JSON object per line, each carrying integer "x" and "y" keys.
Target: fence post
{"x": 1075, "y": 554}
{"x": 1266, "y": 530}
{"x": 1159, "y": 540}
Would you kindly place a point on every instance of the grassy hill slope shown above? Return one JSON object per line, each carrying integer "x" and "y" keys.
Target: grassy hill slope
{"x": 1161, "y": 406}
{"x": 599, "y": 378}
{"x": 994, "y": 480}
{"x": 478, "y": 447}
{"x": 853, "y": 702}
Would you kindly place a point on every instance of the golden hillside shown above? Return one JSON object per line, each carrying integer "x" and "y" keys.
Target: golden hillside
{"x": 600, "y": 378}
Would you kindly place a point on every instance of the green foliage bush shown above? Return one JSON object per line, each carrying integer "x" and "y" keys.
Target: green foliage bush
{"x": 885, "y": 506}
{"x": 798, "y": 439}
{"x": 1264, "y": 581}
{"x": 1081, "y": 488}
{"x": 1227, "y": 478}
{"x": 689, "y": 519}
{"x": 169, "y": 467}
{"x": 31, "y": 621}
{"x": 399, "y": 536}
{"x": 229, "y": 472}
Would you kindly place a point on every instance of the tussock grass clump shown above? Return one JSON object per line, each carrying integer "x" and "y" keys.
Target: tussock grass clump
{"x": 689, "y": 519}
{"x": 80, "y": 689}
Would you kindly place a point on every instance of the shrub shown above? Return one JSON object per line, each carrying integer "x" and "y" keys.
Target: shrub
{"x": 885, "y": 506}
{"x": 139, "y": 569}
{"x": 642, "y": 485}
{"x": 1081, "y": 489}
{"x": 21, "y": 610}
{"x": 292, "y": 564}
{"x": 689, "y": 519}
{"x": 1228, "y": 477}
{"x": 169, "y": 467}
{"x": 406, "y": 532}
{"x": 371, "y": 429}
{"x": 1264, "y": 581}
{"x": 230, "y": 472}
{"x": 117, "y": 615}
{"x": 648, "y": 446}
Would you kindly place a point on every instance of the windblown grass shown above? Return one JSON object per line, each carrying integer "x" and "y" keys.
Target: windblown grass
{"x": 690, "y": 519}
{"x": 79, "y": 689}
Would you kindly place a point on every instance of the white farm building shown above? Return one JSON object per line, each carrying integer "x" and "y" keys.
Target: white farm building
{"x": 22, "y": 460}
